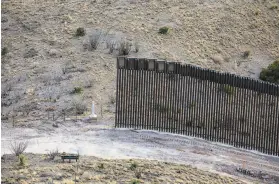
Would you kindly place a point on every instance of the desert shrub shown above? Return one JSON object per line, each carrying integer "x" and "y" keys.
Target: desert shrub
{"x": 67, "y": 67}
{"x": 18, "y": 147}
{"x": 246, "y": 53}
{"x": 111, "y": 45}
{"x": 112, "y": 99}
{"x": 274, "y": 7}
{"x": 79, "y": 106}
{"x": 164, "y": 30}
{"x": 77, "y": 90}
{"x": 133, "y": 166}
{"x": 101, "y": 166}
{"x": 124, "y": 47}
{"x": 138, "y": 174}
{"x": 94, "y": 40}
{"x": 4, "y": 51}
{"x": 135, "y": 181}
{"x": 271, "y": 73}
{"x": 137, "y": 47}
{"x": 88, "y": 83}
{"x": 53, "y": 153}
{"x": 22, "y": 160}
{"x": 228, "y": 89}
{"x": 80, "y": 31}
{"x": 4, "y": 157}
{"x": 50, "y": 93}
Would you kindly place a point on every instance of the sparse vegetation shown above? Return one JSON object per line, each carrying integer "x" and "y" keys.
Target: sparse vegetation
{"x": 80, "y": 31}
{"x": 137, "y": 47}
{"x": 138, "y": 174}
{"x": 88, "y": 83}
{"x": 77, "y": 90}
{"x": 135, "y": 181}
{"x": 53, "y": 153}
{"x": 257, "y": 12}
{"x": 4, "y": 51}
{"x": 112, "y": 99}
{"x": 111, "y": 45}
{"x": 101, "y": 166}
{"x": 274, "y": 7}
{"x": 190, "y": 39}
{"x": 153, "y": 172}
{"x": 67, "y": 67}
{"x": 79, "y": 106}
{"x": 18, "y": 147}
{"x": 133, "y": 166}
{"x": 246, "y": 53}
{"x": 22, "y": 160}
{"x": 271, "y": 73}
{"x": 94, "y": 40}
{"x": 124, "y": 48}
{"x": 164, "y": 30}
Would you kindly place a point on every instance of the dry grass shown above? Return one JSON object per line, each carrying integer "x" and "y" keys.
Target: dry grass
{"x": 198, "y": 32}
{"x": 114, "y": 171}
{"x": 18, "y": 147}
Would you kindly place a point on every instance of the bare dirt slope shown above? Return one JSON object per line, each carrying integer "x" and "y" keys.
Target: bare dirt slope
{"x": 41, "y": 42}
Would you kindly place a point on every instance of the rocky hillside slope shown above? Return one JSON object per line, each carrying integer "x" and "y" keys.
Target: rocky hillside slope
{"x": 47, "y": 67}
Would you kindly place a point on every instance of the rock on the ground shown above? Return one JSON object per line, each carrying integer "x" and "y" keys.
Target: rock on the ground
{"x": 217, "y": 59}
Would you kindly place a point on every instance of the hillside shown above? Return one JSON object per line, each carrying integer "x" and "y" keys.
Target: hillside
{"x": 48, "y": 67}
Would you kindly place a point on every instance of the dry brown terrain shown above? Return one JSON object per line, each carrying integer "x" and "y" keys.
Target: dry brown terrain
{"x": 39, "y": 169}
{"x": 41, "y": 42}
{"x": 47, "y": 67}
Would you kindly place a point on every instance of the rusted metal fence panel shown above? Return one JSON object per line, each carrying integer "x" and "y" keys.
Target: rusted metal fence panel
{"x": 185, "y": 99}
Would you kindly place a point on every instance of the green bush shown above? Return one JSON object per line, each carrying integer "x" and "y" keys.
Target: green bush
{"x": 274, "y": 7}
{"x": 271, "y": 73}
{"x": 77, "y": 90}
{"x": 4, "y": 51}
{"x": 246, "y": 54}
{"x": 101, "y": 166}
{"x": 135, "y": 181}
{"x": 22, "y": 160}
{"x": 133, "y": 166}
{"x": 164, "y": 30}
{"x": 80, "y": 31}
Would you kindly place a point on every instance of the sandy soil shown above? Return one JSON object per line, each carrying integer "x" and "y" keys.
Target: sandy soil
{"x": 100, "y": 139}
